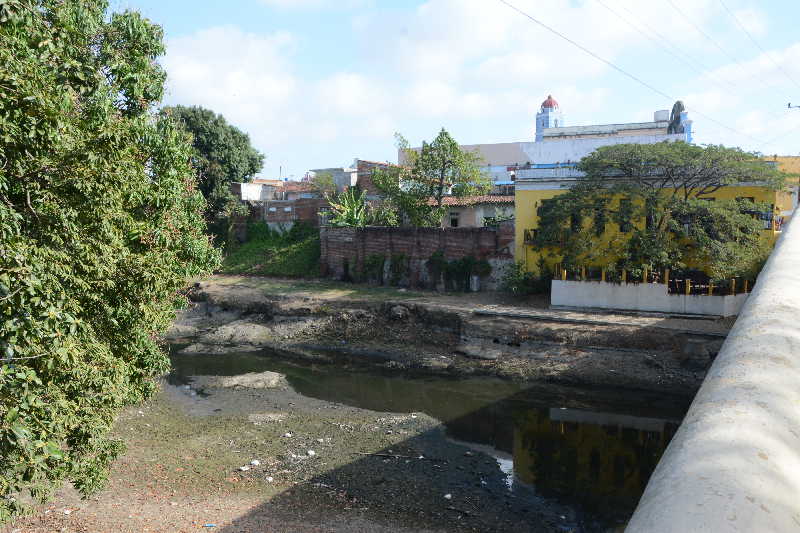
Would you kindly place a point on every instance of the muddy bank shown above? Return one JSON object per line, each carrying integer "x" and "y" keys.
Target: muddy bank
{"x": 428, "y": 338}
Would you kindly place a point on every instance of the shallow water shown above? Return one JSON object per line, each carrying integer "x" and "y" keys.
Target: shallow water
{"x": 593, "y": 450}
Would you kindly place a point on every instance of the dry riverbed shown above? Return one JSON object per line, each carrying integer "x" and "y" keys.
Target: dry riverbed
{"x": 249, "y": 454}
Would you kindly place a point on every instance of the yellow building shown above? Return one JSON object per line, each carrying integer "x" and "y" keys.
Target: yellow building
{"x": 532, "y": 192}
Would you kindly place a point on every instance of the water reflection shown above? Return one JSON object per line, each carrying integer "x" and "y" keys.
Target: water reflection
{"x": 594, "y": 450}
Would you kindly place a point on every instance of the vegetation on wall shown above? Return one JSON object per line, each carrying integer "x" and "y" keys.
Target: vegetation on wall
{"x": 100, "y": 227}
{"x": 294, "y": 253}
{"x": 657, "y": 198}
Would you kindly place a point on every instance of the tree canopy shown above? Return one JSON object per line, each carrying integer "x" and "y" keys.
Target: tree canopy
{"x": 100, "y": 228}
{"x": 439, "y": 168}
{"x": 658, "y": 195}
{"x": 222, "y": 155}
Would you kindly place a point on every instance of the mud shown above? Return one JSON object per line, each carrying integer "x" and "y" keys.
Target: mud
{"x": 424, "y": 338}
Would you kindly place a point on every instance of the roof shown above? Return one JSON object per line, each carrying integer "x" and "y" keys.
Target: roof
{"x": 466, "y": 201}
{"x": 297, "y": 186}
{"x": 550, "y": 103}
{"x": 604, "y": 128}
{"x": 263, "y": 181}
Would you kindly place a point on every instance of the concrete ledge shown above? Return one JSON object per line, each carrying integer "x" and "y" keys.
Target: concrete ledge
{"x": 734, "y": 464}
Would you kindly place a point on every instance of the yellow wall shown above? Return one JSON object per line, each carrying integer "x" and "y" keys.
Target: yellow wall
{"x": 526, "y": 203}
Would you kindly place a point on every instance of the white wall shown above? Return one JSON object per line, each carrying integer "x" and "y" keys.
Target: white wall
{"x": 641, "y": 297}
{"x": 256, "y": 192}
{"x": 734, "y": 464}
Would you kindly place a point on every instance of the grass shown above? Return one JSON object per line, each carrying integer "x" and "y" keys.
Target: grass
{"x": 293, "y": 254}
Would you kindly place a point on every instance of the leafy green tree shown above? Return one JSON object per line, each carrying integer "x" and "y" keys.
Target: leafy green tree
{"x": 438, "y": 169}
{"x": 100, "y": 228}
{"x": 222, "y": 155}
{"x": 654, "y": 192}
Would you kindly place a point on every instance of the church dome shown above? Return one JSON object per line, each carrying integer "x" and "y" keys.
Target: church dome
{"x": 550, "y": 103}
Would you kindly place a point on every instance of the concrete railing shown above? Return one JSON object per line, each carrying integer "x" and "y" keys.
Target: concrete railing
{"x": 734, "y": 464}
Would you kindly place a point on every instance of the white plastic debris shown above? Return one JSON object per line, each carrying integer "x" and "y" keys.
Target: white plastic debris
{"x": 311, "y": 453}
{"x": 187, "y": 387}
{"x": 320, "y": 440}
{"x": 244, "y": 468}
{"x": 67, "y": 511}
{"x": 448, "y": 496}
{"x": 255, "y": 462}
{"x": 269, "y": 479}
{"x": 287, "y": 435}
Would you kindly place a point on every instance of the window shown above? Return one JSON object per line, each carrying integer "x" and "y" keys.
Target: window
{"x": 272, "y": 209}
{"x": 287, "y": 209}
{"x": 454, "y": 219}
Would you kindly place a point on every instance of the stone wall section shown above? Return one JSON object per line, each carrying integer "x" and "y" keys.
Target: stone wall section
{"x": 344, "y": 250}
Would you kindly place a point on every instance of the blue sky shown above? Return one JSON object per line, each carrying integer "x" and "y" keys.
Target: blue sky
{"x": 317, "y": 83}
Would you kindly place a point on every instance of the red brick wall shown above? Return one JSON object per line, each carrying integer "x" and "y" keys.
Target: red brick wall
{"x": 364, "y": 178}
{"x": 345, "y": 249}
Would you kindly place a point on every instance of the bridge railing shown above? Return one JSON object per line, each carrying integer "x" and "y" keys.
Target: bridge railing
{"x": 734, "y": 464}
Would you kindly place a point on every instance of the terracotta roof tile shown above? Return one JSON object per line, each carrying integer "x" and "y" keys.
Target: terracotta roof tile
{"x": 453, "y": 201}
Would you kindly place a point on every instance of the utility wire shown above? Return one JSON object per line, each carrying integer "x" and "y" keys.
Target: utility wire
{"x": 715, "y": 43}
{"x": 703, "y": 71}
{"x": 741, "y": 27}
{"x": 618, "y": 69}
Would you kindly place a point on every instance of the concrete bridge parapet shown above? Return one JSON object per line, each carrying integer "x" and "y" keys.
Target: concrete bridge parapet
{"x": 734, "y": 464}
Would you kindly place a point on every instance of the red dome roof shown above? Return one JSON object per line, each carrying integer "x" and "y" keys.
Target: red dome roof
{"x": 550, "y": 103}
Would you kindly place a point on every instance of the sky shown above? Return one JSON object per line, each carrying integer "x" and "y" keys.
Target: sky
{"x": 318, "y": 83}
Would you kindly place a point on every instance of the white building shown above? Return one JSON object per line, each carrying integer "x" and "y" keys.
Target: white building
{"x": 557, "y": 148}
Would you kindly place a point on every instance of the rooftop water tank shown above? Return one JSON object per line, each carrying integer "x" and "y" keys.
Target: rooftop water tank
{"x": 661, "y": 115}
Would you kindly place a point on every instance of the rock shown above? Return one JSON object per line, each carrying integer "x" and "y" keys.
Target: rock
{"x": 261, "y": 418}
{"x": 399, "y": 312}
{"x": 255, "y": 462}
{"x": 252, "y": 380}
{"x": 311, "y": 453}
{"x": 477, "y": 351}
{"x": 244, "y": 468}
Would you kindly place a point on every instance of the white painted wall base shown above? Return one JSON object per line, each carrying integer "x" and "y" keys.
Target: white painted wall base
{"x": 641, "y": 297}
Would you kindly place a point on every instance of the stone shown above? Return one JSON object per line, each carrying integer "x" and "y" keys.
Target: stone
{"x": 399, "y": 312}
{"x": 477, "y": 351}
{"x": 252, "y": 380}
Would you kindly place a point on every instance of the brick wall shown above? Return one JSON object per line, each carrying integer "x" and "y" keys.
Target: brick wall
{"x": 305, "y": 209}
{"x": 344, "y": 250}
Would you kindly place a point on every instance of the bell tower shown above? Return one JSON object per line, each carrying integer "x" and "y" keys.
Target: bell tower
{"x": 549, "y": 116}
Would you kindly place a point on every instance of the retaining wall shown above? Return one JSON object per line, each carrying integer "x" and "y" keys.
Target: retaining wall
{"x": 641, "y": 297}
{"x": 344, "y": 250}
{"x": 734, "y": 464}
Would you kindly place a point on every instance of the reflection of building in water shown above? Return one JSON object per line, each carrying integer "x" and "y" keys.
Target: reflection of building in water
{"x": 602, "y": 460}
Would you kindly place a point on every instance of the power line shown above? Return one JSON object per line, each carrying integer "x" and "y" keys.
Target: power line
{"x": 702, "y": 71}
{"x": 715, "y": 43}
{"x": 706, "y": 72}
{"x": 619, "y": 69}
{"x": 741, "y": 26}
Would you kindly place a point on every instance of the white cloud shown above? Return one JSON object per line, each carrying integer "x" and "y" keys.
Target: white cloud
{"x": 469, "y": 64}
{"x": 753, "y": 20}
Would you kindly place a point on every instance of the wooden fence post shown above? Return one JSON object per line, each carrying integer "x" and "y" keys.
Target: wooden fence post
{"x": 624, "y": 276}
{"x": 733, "y": 286}
{"x": 666, "y": 277}
{"x": 688, "y": 286}
{"x": 603, "y": 275}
